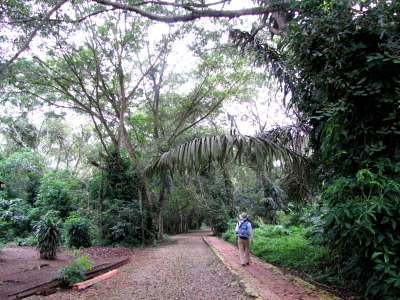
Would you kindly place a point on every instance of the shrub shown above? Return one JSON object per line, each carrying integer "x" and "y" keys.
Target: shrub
{"x": 15, "y": 220}
{"x": 272, "y": 231}
{"x": 75, "y": 272}
{"x": 289, "y": 249}
{"x": 48, "y": 233}
{"x": 361, "y": 230}
{"x": 78, "y": 232}
{"x": 286, "y": 248}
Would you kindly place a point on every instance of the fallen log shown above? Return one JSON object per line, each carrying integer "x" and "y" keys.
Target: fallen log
{"x": 83, "y": 285}
{"x": 37, "y": 290}
{"x": 50, "y": 287}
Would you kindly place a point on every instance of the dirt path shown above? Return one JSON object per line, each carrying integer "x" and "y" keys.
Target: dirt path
{"x": 263, "y": 280}
{"x": 195, "y": 266}
{"x": 186, "y": 269}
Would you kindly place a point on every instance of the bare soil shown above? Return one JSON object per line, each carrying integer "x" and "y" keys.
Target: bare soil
{"x": 193, "y": 266}
{"x": 21, "y": 268}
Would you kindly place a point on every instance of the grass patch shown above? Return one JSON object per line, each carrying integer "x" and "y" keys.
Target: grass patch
{"x": 289, "y": 249}
{"x": 286, "y": 248}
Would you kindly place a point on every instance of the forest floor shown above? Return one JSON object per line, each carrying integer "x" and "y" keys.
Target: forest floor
{"x": 193, "y": 266}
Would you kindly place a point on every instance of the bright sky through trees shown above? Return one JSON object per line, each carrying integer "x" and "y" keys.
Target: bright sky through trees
{"x": 249, "y": 118}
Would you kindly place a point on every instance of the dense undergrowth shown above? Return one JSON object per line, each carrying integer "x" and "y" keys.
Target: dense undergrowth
{"x": 295, "y": 245}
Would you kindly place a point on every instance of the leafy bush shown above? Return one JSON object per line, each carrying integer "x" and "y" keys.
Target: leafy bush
{"x": 75, "y": 272}
{"x": 15, "y": 218}
{"x": 21, "y": 171}
{"x": 121, "y": 224}
{"x": 361, "y": 229}
{"x": 273, "y": 231}
{"x": 120, "y": 219}
{"x": 48, "y": 232}
{"x": 60, "y": 191}
{"x": 218, "y": 216}
{"x": 288, "y": 248}
{"x": 78, "y": 232}
{"x": 230, "y": 234}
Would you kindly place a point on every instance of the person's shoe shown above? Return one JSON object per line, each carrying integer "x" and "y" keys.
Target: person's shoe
{"x": 243, "y": 265}
{"x": 248, "y": 263}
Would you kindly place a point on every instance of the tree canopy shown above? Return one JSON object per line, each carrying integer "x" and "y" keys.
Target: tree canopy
{"x": 335, "y": 65}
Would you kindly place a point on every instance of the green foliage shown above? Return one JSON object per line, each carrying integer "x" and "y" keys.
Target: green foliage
{"x": 288, "y": 248}
{"x": 218, "y": 216}
{"x": 60, "y": 191}
{"x": 184, "y": 210}
{"x": 121, "y": 178}
{"x": 306, "y": 215}
{"x": 75, "y": 272}
{"x": 48, "y": 232}
{"x": 21, "y": 173}
{"x": 274, "y": 231}
{"x": 78, "y": 232}
{"x": 361, "y": 229}
{"x": 117, "y": 191}
{"x": 15, "y": 219}
{"x": 347, "y": 77}
{"x": 348, "y": 87}
{"x": 121, "y": 223}
{"x": 217, "y": 199}
{"x": 196, "y": 154}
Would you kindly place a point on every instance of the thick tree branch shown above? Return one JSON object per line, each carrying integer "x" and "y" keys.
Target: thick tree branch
{"x": 204, "y": 5}
{"x": 195, "y": 14}
{"x": 35, "y": 31}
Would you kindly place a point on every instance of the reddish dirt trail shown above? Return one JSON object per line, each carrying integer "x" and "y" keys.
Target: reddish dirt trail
{"x": 183, "y": 269}
{"x": 265, "y": 281}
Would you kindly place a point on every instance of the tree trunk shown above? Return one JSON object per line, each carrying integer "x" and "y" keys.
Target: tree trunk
{"x": 100, "y": 206}
{"x": 271, "y": 212}
{"x": 163, "y": 198}
{"x": 229, "y": 191}
{"x": 139, "y": 191}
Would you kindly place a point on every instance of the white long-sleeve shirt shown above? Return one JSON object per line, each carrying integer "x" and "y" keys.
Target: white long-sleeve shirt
{"x": 249, "y": 227}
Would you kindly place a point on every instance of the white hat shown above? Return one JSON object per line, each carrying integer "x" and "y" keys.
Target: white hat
{"x": 243, "y": 216}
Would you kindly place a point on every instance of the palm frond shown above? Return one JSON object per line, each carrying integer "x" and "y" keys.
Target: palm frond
{"x": 290, "y": 136}
{"x": 261, "y": 153}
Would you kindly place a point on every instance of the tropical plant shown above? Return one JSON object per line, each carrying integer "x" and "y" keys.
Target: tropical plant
{"x": 345, "y": 88}
{"x": 21, "y": 172}
{"x": 258, "y": 152}
{"x": 361, "y": 231}
{"x": 75, "y": 272}
{"x": 217, "y": 216}
{"x": 119, "y": 212}
{"x": 61, "y": 191}
{"x": 15, "y": 216}
{"x": 48, "y": 232}
{"x": 78, "y": 232}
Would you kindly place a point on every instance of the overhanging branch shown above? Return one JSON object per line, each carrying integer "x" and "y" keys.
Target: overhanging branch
{"x": 194, "y": 13}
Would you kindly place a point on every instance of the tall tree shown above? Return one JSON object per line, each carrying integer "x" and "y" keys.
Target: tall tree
{"x": 29, "y": 21}
{"x": 217, "y": 78}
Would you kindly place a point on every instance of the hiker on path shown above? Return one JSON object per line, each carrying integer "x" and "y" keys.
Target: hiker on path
{"x": 244, "y": 238}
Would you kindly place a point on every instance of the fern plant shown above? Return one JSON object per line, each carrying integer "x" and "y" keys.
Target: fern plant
{"x": 48, "y": 233}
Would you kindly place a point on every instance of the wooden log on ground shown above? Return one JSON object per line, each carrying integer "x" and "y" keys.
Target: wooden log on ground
{"x": 37, "y": 290}
{"x": 51, "y": 286}
{"x": 87, "y": 283}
